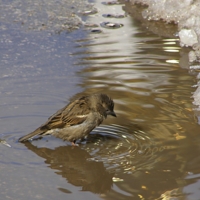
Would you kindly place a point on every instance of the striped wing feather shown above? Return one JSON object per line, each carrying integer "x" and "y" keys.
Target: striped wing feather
{"x": 74, "y": 113}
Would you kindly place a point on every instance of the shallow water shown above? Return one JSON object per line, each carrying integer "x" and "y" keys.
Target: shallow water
{"x": 150, "y": 151}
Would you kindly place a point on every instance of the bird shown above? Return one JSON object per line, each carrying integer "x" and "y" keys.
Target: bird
{"x": 77, "y": 119}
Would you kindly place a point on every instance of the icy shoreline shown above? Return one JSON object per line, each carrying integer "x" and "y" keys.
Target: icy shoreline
{"x": 187, "y": 17}
{"x": 185, "y": 14}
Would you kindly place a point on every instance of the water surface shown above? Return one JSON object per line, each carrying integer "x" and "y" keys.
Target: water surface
{"x": 150, "y": 151}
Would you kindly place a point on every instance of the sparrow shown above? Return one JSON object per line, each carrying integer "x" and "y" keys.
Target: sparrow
{"x": 77, "y": 119}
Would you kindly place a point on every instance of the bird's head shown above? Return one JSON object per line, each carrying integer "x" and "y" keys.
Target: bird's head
{"x": 105, "y": 105}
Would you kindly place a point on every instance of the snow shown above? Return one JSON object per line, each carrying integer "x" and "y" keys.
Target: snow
{"x": 186, "y": 14}
{"x": 188, "y": 37}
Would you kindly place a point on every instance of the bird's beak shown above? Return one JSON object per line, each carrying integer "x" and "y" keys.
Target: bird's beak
{"x": 111, "y": 113}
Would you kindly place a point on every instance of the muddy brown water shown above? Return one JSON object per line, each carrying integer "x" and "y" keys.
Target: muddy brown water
{"x": 150, "y": 151}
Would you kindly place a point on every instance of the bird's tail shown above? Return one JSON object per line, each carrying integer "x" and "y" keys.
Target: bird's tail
{"x": 38, "y": 131}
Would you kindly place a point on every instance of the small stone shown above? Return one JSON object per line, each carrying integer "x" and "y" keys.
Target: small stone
{"x": 113, "y": 16}
{"x": 196, "y": 47}
{"x": 90, "y": 25}
{"x": 96, "y": 31}
{"x": 111, "y": 3}
{"x": 90, "y": 12}
{"x": 111, "y": 25}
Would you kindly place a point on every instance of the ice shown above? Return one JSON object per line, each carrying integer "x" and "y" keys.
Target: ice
{"x": 192, "y": 56}
{"x": 187, "y": 37}
{"x": 184, "y": 13}
{"x": 196, "y": 96}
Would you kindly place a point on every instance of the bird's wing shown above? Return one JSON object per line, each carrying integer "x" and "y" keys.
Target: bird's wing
{"x": 74, "y": 113}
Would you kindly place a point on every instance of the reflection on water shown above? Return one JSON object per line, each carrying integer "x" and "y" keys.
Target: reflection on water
{"x": 72, "y": 164}
{"x": 152, "y": 94}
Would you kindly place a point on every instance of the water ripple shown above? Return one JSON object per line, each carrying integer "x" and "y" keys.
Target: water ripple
{"x": 117, "y": 148}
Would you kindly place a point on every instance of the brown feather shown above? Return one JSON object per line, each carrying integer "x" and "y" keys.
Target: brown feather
{"x": 75, "y": 113}
{"x": 62, "y": 118}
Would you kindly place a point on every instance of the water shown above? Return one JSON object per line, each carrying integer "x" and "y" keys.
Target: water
{"x": 150, "y": 151}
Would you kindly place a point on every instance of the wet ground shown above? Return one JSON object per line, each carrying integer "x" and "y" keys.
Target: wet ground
{"x": 150, "y": 151}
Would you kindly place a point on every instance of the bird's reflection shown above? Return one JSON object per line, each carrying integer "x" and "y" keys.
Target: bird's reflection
{"x": 75, "y": 164}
